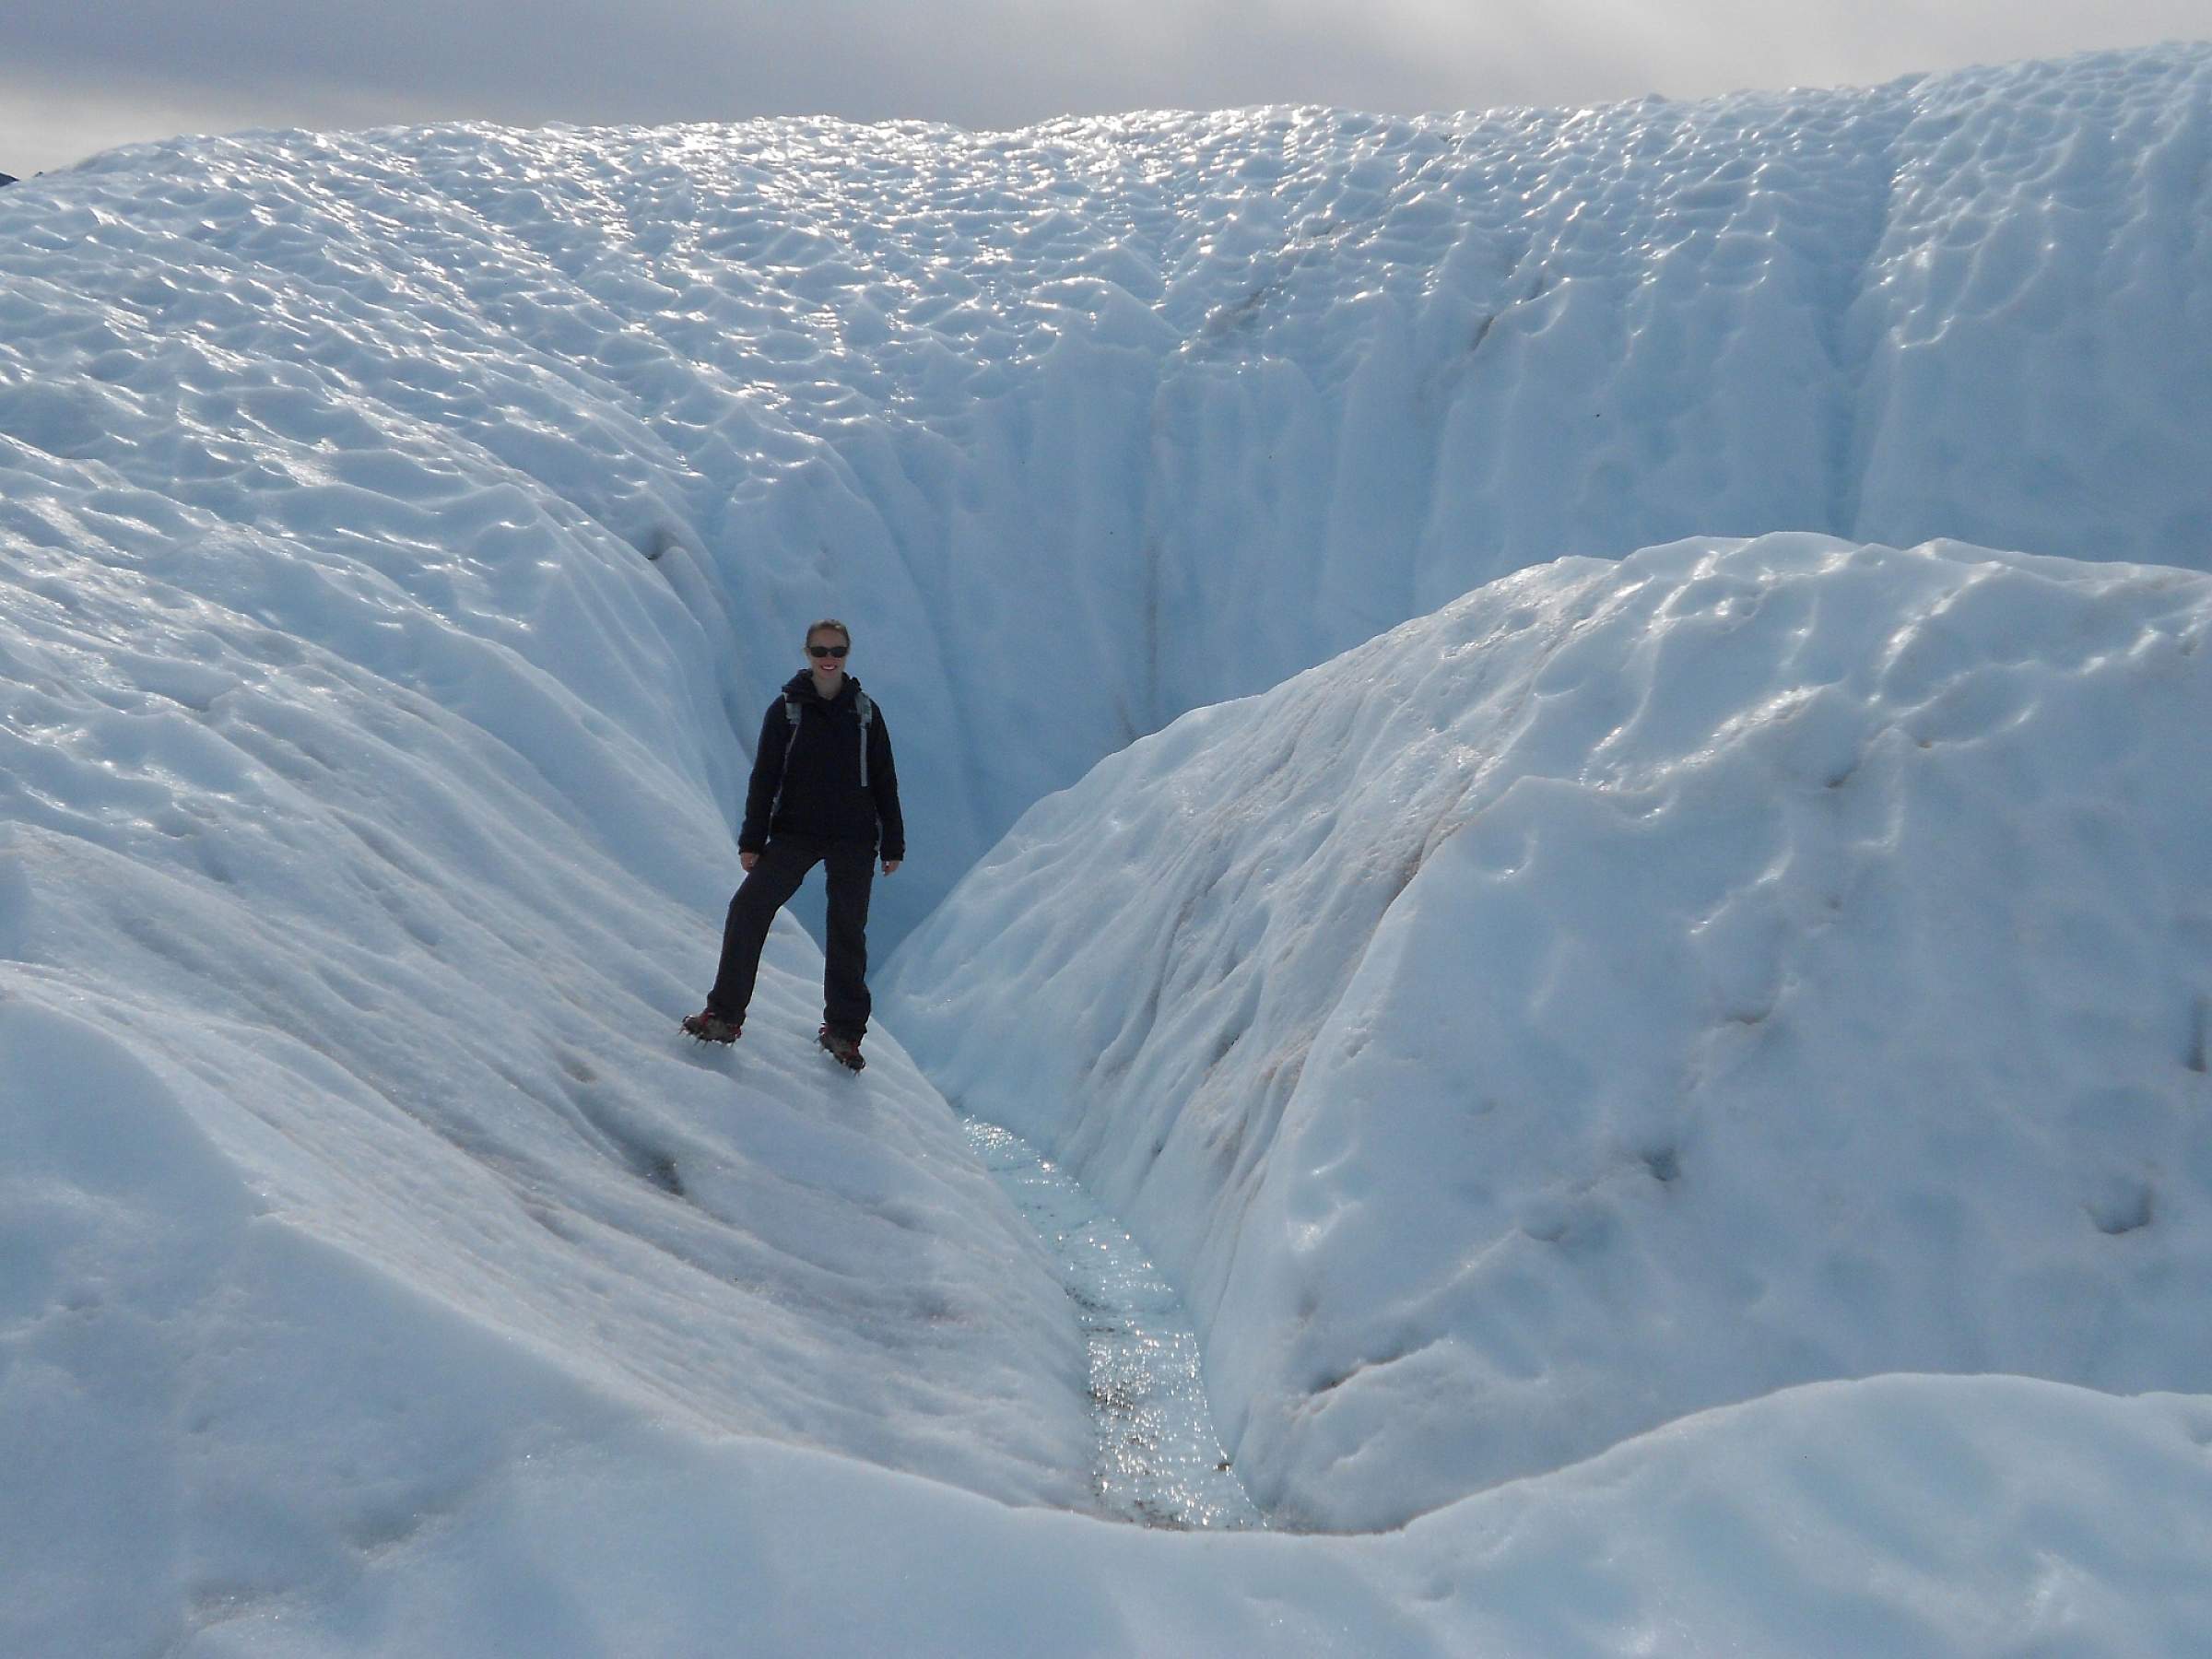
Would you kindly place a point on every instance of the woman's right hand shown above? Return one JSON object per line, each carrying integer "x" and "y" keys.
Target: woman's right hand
{"x": 748, "y": 860}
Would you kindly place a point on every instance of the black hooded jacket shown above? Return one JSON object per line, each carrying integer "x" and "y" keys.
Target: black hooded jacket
{"x": 807, "y": 779}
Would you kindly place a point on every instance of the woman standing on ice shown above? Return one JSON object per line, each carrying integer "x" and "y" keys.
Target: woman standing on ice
{"x": 823, "y": 791}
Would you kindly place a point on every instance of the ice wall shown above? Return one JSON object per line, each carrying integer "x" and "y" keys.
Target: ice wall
{"x": 1634, "y": 988}
{"x": 1054, "y": 409}
{"x": 350, "y": 886}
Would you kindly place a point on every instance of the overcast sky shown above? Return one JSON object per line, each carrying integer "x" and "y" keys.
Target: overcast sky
{"x": 79, "y": 76}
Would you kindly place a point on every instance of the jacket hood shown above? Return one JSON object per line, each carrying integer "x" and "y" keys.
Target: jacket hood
{"x": 801, "y": 685}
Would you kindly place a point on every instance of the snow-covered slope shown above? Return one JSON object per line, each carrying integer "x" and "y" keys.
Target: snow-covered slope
{"x": 1062, "y": 402}
{"x": 1903, "y": 1515}
{"x": 1637, "y": 987}
{"x": 350, "y": 1159}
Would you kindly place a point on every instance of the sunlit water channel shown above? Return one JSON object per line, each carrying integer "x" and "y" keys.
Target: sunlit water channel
{"x": 1159, "y": 1460}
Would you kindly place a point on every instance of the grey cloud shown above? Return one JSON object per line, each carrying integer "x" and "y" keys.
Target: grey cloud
{"x": 998, "y": 62}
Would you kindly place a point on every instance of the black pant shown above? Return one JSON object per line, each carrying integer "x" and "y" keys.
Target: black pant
{"x": 851, "y": 871}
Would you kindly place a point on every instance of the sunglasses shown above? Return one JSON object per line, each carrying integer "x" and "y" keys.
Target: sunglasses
{"x": 827, "y": 651}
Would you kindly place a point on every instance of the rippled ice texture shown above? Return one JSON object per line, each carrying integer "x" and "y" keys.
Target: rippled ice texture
{"x": 1076, "y": 395}
{"x": 1160, "y": 1461}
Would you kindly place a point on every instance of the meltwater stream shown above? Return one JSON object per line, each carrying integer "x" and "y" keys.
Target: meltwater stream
{"x": 1159, "y": 1460}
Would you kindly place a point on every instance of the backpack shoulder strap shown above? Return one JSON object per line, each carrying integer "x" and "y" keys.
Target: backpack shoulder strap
{"x": 790, "y": 713}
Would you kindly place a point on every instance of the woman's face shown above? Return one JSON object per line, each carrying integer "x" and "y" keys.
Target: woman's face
{"x": 827, "y": 670}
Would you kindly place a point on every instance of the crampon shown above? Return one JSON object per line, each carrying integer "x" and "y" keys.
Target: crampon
{"x": 710, "y": 1026}
{"x": 842, "y": 1049}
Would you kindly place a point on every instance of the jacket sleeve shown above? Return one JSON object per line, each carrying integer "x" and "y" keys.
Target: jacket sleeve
{"x": 768, "y": 777}
{"x": 883, "y": 783}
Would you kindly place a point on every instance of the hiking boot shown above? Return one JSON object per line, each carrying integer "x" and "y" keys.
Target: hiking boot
{"x": 842, "y": 1048}
{"x": 710, "y": 1026}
